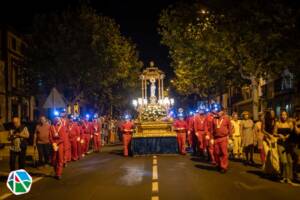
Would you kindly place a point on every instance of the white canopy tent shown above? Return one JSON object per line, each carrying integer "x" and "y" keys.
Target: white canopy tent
{"x": 54, "y": 100}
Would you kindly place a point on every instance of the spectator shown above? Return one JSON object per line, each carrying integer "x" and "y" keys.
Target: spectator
{"x": 283, "y": 130}
{"x": 41, "y": 141}
{"x": 236, "y": 136}
{"x": 18, "y": 137}
{"x": 248, "y": 137}
{"x": 271, "y": 164}
{"x": 112, "y": 130}
{"x": 258, "y": 130}
{"x": 297, "y": 144}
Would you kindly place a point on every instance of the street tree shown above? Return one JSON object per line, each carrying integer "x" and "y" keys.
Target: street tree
{"x": 83, "y": 54}
{"x": 213, "y": 46}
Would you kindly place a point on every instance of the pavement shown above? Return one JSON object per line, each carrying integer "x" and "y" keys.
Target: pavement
{"x": 110, "y": 176}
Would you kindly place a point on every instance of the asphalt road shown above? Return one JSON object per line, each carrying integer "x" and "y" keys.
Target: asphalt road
{"x": 109, "y": 176}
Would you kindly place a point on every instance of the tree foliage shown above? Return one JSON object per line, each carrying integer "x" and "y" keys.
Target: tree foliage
{"x": 252, "y": 37}
{"x": 83, "y": 54}
{"x": 213, "y": 46}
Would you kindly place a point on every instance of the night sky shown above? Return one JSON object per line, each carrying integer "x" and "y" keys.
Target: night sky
{"x": 137, "y": 19}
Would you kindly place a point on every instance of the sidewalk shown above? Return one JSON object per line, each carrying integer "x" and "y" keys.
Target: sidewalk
{"x": 34, "y": 172}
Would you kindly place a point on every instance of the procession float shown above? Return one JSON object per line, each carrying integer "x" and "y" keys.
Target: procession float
{"x": 153, "y": 127}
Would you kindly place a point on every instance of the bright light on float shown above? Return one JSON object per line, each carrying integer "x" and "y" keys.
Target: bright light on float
{"x": 172, "y": 101}
{"x": 135, "y": 103}
{"x": 166, "y": 101}
{"x": 145, "y": 101}
{"x": 140, "y": 101}
{"x": 160, "y": 101}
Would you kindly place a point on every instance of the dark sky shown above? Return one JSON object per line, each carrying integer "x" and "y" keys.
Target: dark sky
{"x": 138, "y": 20}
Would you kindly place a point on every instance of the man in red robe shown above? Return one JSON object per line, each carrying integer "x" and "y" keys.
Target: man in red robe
{"x": 74, "y": 137}
{"x": 209, "y": 137}
{"x": 127, "y": 130}
{"x": 57, "y": 135}
{"x": 86, "y": 134}
{"x": 181, "y": 127}
{"x": 192, "y": 139}
{"x": 200, "y": 127}
{"x": 96, "y": 132}
{"x": 221, "y": 130}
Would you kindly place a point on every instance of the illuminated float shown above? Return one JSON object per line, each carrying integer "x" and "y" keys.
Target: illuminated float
{"x": 154, "y": 133}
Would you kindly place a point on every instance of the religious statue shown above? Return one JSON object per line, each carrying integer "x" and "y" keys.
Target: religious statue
{"x": 153, "y": 88}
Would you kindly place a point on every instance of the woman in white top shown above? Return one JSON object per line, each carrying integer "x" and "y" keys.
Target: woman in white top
{"x": 236, "y": 136}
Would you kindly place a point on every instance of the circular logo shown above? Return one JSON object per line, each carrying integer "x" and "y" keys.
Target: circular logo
{"x": 19, "y": 182}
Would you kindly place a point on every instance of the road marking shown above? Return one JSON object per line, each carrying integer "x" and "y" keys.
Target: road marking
{"x": 154, "y": 162}
{"x": 154, "y": 179}
{"x": 154, "y": 186}
{"x": 154, "y": 172}
{"x": 37, "y": 179}
{"x": 6, "y": 195}
{"x": 155, "y": 198}
{"x": 250, "y": 187}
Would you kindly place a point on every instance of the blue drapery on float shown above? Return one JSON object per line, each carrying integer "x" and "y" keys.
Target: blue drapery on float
{"x": 154, "y": 145}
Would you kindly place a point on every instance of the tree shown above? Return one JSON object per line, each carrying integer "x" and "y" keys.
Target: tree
{"x": 83, "y": 53}
{"x": 219, "y": 45}
{"x": 190, "y": 32}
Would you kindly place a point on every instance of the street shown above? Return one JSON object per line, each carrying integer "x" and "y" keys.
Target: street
{"x": 110, "y": 176}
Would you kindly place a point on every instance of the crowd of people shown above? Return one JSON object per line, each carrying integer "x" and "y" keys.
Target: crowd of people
{"x": 217, "y": 136}
{"x": 64, "y": 139}
{"x": 211, "y": 134}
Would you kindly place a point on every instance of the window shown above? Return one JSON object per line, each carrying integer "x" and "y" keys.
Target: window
{"x": 287, "y": 80}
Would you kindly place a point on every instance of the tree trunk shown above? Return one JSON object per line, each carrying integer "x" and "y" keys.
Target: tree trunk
{"x": 255, "y": 97}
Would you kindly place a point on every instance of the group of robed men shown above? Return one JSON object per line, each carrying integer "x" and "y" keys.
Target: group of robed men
{"x": 207, "y": 133}
{"x": 70, "y": 140}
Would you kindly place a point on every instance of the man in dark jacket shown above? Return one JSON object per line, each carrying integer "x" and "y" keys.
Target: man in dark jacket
{"x": 18, "y": 137}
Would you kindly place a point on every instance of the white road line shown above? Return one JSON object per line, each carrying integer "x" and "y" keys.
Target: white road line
{"x": 154, "y": 172}
{"x": 37, "y": 179}
{"x": 154, "y": 179}
{"x": 155, "y": 187}
{"x": 154, "y": 162}
{"x": 155, "y": 198}
{"x": 6, "y": 195}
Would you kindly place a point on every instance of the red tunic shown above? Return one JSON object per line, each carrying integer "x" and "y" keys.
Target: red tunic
{"x": 74, "y": 131}
{"x": 221, "y": 127}
{"x": 96, "y": 128}
{"x": 190, "y": 123}
{"x": 57, "y": 134}
{"x": 86, "y": 128}
{"x": 127, "y": 127}
{"x": 180, "y": 126}
{"x": 209, "y": 121}
{"x": 200, "y": 124}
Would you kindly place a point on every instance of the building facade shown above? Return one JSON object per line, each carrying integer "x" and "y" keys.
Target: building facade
{"x": 15, "y": 99}
{"x": 281, "y": 93}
